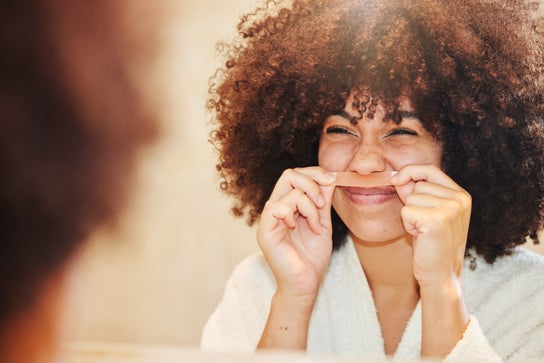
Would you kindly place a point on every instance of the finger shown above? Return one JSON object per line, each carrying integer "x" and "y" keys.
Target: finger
{"x": 305, "y": 208}
{"x": 418, "y": 220}
{"x": 459, "y": 197}
{"x": 434, "y": 189}
{"x": 433, "y": 213}
{"x": 404, "y": 190}
{"x": 274, "y": 213}
{"x": 328, "y": 192}
{"x": 295, "y": 204}
{"x": 325, "y": 211}
{"x": 306, "y": 180}
{"x": 424, "y": 200}
{"x": 318, "y": 174}
{"x": 438, "y": 190}
{"x": 430, "y": 173}
{"x": 425, "y": 179}
{"x": 272, "y": 224}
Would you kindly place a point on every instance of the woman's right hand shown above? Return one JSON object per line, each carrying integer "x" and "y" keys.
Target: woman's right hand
{"x": 295, "y": 230}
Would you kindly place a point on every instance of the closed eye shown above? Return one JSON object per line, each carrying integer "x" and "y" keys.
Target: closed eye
{"x": 402, "y": 131}
{"x": 339, "y": 130}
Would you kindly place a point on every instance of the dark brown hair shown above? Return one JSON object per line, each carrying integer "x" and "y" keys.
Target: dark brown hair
{"x": 472, "y": 69}
{"x": 71, "y": 123}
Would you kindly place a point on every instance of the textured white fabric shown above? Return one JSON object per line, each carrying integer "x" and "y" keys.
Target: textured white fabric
{"x": 505, "y": 301}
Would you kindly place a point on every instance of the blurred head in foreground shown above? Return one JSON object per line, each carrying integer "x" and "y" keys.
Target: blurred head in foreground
{"x": 72, "y": 122}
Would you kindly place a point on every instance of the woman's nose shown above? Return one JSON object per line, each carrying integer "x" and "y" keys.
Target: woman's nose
{"x": 368, "y": 159}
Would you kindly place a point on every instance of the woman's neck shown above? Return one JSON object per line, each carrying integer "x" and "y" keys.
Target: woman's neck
{"x": 388, "y": 268}
{"x": 388, "y": 265}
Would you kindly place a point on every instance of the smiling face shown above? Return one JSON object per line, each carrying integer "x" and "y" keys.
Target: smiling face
{"x": 370, "y": 145}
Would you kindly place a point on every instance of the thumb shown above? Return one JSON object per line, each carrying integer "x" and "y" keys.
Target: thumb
{"x": 404, "y": 190}
{"x": 325, "y": 211}
{"x": 328, "y": 192}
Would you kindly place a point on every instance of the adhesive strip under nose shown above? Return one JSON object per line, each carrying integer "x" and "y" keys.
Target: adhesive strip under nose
{"x": 351, "y": 179}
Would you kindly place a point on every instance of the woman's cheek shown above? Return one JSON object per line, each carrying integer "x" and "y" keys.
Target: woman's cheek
{"x": 335, "y": 157}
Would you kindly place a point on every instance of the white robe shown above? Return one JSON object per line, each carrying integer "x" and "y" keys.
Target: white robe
{"x": 505, "y": 301}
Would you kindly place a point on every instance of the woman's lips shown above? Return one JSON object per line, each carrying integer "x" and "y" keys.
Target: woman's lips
{"x": 370, "y": 196}
{"x": 368, "y": 189}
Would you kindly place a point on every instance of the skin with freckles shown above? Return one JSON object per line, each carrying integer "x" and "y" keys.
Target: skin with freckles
{"x": 372, "y": 145}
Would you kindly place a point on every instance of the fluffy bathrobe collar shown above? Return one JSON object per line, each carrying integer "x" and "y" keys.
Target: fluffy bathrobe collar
{"x": 505, "y": 297}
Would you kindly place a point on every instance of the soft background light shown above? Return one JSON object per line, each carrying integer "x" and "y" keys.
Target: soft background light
{"x": 158, "y": 278}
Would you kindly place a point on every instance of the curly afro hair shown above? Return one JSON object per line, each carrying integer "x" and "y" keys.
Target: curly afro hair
{"x": 472, "y": 69}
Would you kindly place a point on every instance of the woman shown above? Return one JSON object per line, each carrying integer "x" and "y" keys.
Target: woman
{"x": 446, "y": 99}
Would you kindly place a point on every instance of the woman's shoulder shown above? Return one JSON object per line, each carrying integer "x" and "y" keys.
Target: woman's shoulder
{"x": 521, "y": 273}
{"x": 506, "y": 297}
{"x": 520, "y": 263}
{"x": 253, "y": 272}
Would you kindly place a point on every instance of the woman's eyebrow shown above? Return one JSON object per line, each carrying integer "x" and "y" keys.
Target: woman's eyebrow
{"x": 345, "y": 115}
{"x": 352, "y": 119}
{"x": 408, "y": 114}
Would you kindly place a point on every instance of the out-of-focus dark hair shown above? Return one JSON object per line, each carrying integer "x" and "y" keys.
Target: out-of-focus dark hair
{"x": 473, "y": 70}
{"x": 72, "y": 120}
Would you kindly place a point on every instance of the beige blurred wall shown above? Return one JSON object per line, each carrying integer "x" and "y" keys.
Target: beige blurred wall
{"x": 159, "y": 277}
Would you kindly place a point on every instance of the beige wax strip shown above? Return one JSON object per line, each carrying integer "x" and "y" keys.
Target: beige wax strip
{"x": 350, "y": 179}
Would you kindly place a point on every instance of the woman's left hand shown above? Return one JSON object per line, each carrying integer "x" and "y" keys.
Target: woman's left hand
{"x": 437, "y": 213}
